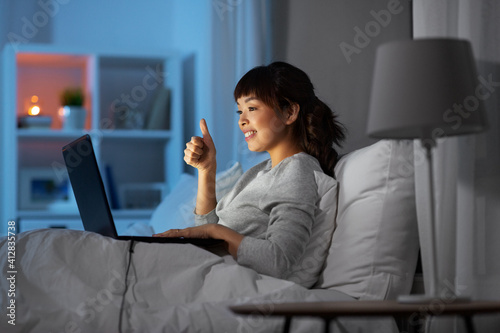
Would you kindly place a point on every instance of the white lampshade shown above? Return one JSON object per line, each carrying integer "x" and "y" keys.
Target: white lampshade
{"x": 425, "y": 88}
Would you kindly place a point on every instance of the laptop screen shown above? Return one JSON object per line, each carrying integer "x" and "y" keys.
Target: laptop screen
{"x": 86, "y": 180}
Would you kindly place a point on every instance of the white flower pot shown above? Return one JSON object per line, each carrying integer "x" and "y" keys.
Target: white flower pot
{"x": 73, "y": 117}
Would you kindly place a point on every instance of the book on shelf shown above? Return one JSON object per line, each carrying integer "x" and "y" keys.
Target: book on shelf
{"x": 157, "y": 118}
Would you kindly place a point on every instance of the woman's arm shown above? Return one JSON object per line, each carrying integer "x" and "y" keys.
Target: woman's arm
{"x": 290, "y": 200}
{"x": 216, "y": 231}
{"x": 200, "y": 153}
{"x": 205, "y": 197}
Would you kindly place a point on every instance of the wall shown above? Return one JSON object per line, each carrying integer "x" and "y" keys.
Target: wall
{"x": 24, "y": 22}
{"x": 335, "y": 43}
{"x": 95, "y": 24}
{"x": 306, "y": 33}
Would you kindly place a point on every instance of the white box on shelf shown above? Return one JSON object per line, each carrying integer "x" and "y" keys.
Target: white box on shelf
{"x": 141, "y": 195}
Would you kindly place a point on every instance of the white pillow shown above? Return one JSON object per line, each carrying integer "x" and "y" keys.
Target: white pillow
{"x": 139, "y": 229}
{"x": 374, "y": 248}
{"x": 176, "y": 209}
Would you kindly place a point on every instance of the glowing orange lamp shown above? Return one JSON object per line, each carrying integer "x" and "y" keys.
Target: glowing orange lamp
{"x": 34, "y": 108}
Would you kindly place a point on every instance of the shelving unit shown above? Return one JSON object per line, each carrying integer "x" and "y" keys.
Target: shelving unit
{"x": 136, "y": 156}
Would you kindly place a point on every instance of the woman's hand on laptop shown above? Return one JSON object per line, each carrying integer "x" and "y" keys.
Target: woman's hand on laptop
{"x": 211, "y": 230}
{"x": 202, "y": 231}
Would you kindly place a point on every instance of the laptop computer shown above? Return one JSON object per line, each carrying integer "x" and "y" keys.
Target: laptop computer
{"x": 91, "y": 198}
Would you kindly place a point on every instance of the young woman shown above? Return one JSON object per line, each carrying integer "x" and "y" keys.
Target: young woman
{"x": 267, "y": 218}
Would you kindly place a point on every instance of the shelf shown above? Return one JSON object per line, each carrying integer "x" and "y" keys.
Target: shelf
{"x": 136, "y": 134}
{"x": 45, "y": 214}
{"x": 48, "y": 134}
{"x": 47, "y": 75}
{"x": 57, "y": 60}
{"x": 113, "y": 82}
{"x": 74, "y": 214}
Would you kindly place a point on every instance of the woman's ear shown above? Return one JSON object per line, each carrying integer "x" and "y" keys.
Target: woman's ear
{"x": 292, "y": 113}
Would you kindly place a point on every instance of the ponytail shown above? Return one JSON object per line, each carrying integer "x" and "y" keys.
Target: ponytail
{"x": 318, "y": 130}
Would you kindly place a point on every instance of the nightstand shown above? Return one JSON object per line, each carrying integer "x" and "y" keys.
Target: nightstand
{"x": 329, "y": 311}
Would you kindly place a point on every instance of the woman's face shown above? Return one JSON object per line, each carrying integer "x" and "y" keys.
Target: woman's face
{"x": 263, "y": 129}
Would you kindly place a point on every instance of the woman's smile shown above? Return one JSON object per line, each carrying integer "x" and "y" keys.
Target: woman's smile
{"x": 249, "y": 135}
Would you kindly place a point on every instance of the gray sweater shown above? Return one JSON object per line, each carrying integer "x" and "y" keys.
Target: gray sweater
{"x": 274, "y": 208}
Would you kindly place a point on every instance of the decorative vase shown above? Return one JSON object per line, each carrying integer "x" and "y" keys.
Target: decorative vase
{"x": 73, "y": 117}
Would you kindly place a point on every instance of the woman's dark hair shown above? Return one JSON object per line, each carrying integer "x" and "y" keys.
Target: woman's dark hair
{"x": 280, "y": 85}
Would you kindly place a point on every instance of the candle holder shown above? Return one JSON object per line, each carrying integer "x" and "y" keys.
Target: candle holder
{"x": 34, "y": 117}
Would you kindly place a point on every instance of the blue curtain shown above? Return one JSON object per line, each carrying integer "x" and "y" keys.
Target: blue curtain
{"x": 241, "y": 40}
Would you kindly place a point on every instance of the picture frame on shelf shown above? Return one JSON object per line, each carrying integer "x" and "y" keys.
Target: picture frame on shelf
{"x": 44, "y": 189}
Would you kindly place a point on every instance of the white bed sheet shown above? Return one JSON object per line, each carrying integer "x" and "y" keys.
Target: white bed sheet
{"x": 73, "y": 281}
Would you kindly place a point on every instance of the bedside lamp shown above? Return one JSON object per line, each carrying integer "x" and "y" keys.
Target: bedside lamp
{"x": 425, "y": 89}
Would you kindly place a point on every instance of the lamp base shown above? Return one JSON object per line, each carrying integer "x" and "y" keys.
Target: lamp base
{"x": 425, "y": 299}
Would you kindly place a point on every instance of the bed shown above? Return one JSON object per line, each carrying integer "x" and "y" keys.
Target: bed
{"x": 74, "y": 281}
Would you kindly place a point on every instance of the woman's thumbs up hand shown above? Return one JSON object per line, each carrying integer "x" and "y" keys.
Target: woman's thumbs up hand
{"x": 200, "y": 152}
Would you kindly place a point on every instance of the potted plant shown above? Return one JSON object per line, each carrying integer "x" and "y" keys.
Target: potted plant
{"x": 72, "y": 111}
